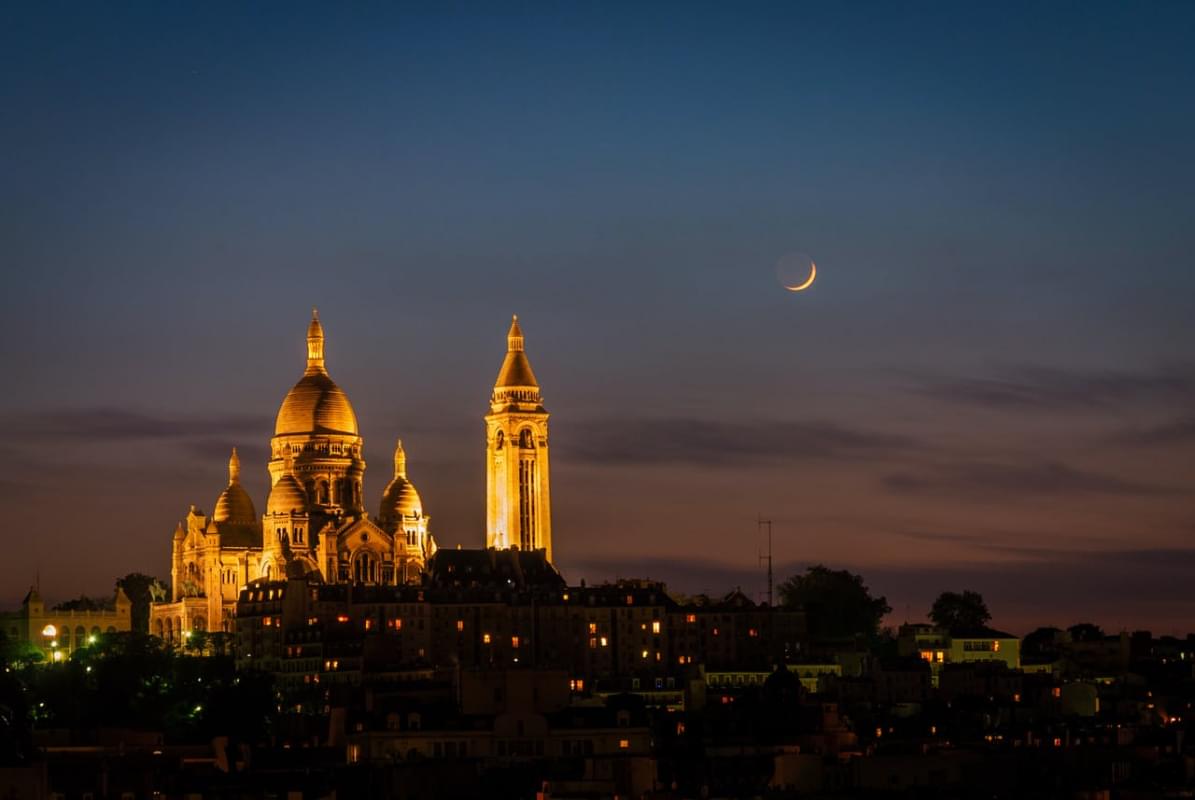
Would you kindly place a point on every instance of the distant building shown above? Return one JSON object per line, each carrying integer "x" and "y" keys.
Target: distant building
{"x": 940, "y": 647}
{"x": 503, "y": 609}
{"x": 60, "y": 633}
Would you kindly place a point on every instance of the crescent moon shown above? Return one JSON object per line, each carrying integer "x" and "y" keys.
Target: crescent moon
{"x": 809, "y": 282}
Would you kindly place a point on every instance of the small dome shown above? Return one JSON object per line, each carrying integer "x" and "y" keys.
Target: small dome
{"x": 234, "y": 503}
{"x": 287, "y": 497}
{"x": 400, "y": 498}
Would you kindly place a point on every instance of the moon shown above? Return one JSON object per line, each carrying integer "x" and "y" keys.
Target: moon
{"x": 796, "y": 271}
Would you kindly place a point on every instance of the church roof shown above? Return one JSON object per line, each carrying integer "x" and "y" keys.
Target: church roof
{"x": 516, "y": 369}
{"x": 493, "y": 568}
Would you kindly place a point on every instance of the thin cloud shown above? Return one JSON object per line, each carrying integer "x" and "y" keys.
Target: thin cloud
{"x": 986, "y": 479}
{"x": 102, "y": 424}
{"x": 1047, "y": 389}
{"x": 1179, "y": 431}
{"x": 716, "y": 443}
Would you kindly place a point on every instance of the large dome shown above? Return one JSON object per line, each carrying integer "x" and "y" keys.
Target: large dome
{"x": 315, "y": 404}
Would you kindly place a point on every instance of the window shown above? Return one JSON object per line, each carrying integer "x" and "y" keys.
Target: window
{"x": 655, "y": 626}
{"x": 624, "y": 744}
{"x": 514, "y": 642}
{"x": 593, "y": 627}
{"x": 460, "y": 625}
{"x": 485, "y": 638}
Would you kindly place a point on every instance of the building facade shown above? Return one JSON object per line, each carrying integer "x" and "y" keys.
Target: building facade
{"x": 59, "y": 633}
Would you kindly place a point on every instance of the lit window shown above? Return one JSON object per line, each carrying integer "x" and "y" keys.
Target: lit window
{"x": 342, "y": 618}
{"x": 267, "y": 622}
{"x": 753, "y": 633}
{"x": 593, "y": 627}
{"x": 592, "y": 642}
{"x": 604, "y": 641}
{"x": 397, "y": 623}
{"x": 645, "y": 654}
{"x": 680, "y": 728}
{"x": 939, "y": 656}
{"x": 690, "y": 618}
{"x": 655, "y": 626}
{"x": 565, "y": 597}
{"x": 485, "y": 638}
{"x": 460, "y": 625}
{"x": 1057, "y": 691}
{"x": 995, "y": 647}
{"x": 624, "y": 744}
{"x": 514, "y": 642}
{"x": 927, "y": 655}
{"x": 715, "y": 631}
{"x": 368, "y": 624}
{"x": 630, "y": 600}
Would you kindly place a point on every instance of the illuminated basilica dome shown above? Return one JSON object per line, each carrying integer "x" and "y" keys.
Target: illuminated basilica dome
{"x": 400, "y": 498}
{"x": 234, "y": 504}
{"x": 316, "y": 404}
{"x": 287, "y": 497}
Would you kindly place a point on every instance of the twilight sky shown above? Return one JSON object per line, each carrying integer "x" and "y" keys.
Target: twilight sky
{"x": 991, "y": 386}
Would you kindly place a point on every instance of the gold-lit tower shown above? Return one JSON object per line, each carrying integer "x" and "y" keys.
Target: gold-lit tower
{"x": 518, "y": 504}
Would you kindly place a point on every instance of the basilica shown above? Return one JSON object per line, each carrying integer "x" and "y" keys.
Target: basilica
{"x": 315, "y": 523}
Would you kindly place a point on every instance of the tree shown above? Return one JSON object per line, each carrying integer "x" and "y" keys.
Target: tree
{"x": 954, "y": 611}
{"x": 141, "y": 590}
{"x": 1041, "y": 642}
{"x": 837, "y": 603}
{"x": 85, "y": 603}
{"x": 1085, "y": 632}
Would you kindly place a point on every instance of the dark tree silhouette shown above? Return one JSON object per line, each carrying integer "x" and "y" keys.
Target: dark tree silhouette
{"x": 1085, "y": 632}
{"x": 1041, "y": 642}
{"x": 837, "y": 603}
{"x": 141, "y": 590}
{"x": 954, "y": 611}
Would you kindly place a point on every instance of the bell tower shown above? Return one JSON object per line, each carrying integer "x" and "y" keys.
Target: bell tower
{"x": 518, "y": 504}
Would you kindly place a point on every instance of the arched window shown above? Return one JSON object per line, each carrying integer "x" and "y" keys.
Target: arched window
{"x": 80, "y": 636}
{"x": 298, "y": 536}
{"x": 321, "y": 493}
{"x": 499, "y": 440}
{"x": 526, "y": 440}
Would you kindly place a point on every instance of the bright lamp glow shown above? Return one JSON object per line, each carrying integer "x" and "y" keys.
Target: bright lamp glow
{"x": 49, "y": 631}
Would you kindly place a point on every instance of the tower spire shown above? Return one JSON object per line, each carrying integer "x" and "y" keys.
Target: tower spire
{"x": 234, "y": 467}
{"x": 400, "y": 461}
{"x": 514, "y": 337}
{"x": 315, "y": 344}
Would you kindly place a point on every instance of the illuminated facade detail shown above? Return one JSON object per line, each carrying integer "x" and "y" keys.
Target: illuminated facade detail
{"x": 518, "y": 501}
{"x": 314, "y": 522}
{"x": 60, "y": 633}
